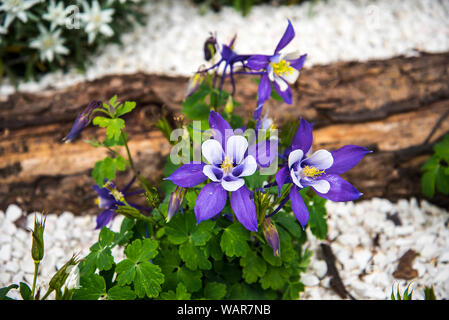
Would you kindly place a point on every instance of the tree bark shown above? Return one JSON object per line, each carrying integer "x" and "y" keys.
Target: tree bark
{"x": 398, "y": 108}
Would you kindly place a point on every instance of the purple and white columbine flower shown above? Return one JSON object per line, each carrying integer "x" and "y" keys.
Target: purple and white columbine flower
{"x": 108, "y": 201}
{"x": 320, "y": 171}
{"x": 279, "y": 69}
{"x": 82, "y": 120}
{"x": 228, "y": 163}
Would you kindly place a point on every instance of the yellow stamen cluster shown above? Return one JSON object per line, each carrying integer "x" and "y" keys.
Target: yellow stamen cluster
{"x": 227, "y": 165}
{"x": 311, "y": 172}
{"x": 282, "y": 68}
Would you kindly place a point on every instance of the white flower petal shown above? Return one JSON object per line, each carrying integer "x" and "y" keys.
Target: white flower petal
{"x": 212, "y": 151}
{"x": 321, "y": 159}
{"x": 322, "y": 186}
{"x": 249, "y": 166}
{"x": 209, "y": 172}
{"x": 291, "y": 77}
{"x": 295, "y": 178}
{"x": 232, "y": 185}
{"x": 295, "y": 156}
{"x": 236, "y": 147}
{"x": 281, "y": 83}
{"x": 292, "y": 55}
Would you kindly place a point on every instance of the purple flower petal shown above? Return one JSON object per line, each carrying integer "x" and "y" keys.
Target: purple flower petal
{"x": 221, "y": 129}
{"x": 340, "y": 189}
{"x": 299, "y": 207}
{"x": 188, "y": 175}
{"x": 282, "y": 177}
{"x": 258, "y": 61}
{"x": 289, "y": 34}
{"x": 294, "y": 157}
{"x": 298, "y": 63}
{"x": 244, "y": 208}
{"x": 303, "y": 137}
{"x": 210, "y": 201}
{"x": 264, "y": 152}
{"x": 104, "y": 218}
{"x": 346, "y": 158}
{"x": 264, "y": 89}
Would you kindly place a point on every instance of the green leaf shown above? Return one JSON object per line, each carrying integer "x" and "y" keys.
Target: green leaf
{"x": 290, "y": 223}
{"x": 254, "y": 267}
{"x": 4, "y": 291}
{"x": 181, "y": 293}
{"x": 92, "y": 288}
{"x": 190, "y": 278}
{"x": 293, "y": 290}
{"x": 317, "y": 212}
{"x": 107, "y": 168}
{"x": 194, "y": 257}
{"x": 136, "y": 268}
{"x": 106, "y": 237}
{"x": 442, "y": 181}
{"x": 140, "y": 251}
{"x": 442, "y": 148}
{"x": 128, "y": 106}
{"x": 148, "y": 280}
{"x": 200, "y": 111}
{"x": 214, "y": 291}
{"x": 25, "y": 291}
{"x": 429, "y": 293}
{"x": 267, "y": 254}
{"x": 183, "y": 227}
{"x": 121, "y": 293}
{"x": 275, "y": 278}
{"x": 428, "y": 183}
{"x": 234, "y": 240}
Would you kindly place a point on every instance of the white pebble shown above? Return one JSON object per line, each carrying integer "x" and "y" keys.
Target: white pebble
{"x": 13, "y": 212}
{"x": 309, "y": 280}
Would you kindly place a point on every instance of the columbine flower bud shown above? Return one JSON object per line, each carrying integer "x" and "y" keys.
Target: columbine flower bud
{"x": 82, "y": 120}
{"x": 229, "y": 107}
{"x": 59, "y": 279}
{"x": 37, "y": 247}
{"x": 210, "y": 47}
{"x": 194, "y": 83}
{"x": 73, "y": 278}
{"x": 175, "y": 201}
{"x": 271, "y": 235}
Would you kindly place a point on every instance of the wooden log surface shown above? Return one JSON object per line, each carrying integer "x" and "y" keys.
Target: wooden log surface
{"x": 397, "y": 107}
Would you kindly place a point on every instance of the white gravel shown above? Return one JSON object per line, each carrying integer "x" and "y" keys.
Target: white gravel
{"x": 172, "y": 39}
{"x": 352, "y": 228}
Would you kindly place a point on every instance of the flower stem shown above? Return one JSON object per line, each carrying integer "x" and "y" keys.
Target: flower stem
{"x": 36, "y": 269}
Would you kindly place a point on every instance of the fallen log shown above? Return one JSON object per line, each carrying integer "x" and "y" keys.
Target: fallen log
{"x": 398, "y": 108}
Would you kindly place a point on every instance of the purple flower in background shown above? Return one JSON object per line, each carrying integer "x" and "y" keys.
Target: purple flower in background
{"x": 82, "y": 120}
{"x": 320, "y": 170}
{"x": 272, "y": 236}
{"x": 108, "y": 201}
{"x": 175, "y": 201}
{"x": 279, "y": 69}
{"x": 228, "y": 163}
{"x": 229, "y": 58}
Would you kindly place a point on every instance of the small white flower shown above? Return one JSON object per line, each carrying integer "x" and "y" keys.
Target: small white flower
{"x": 96, "y": 20}
{"x": 56, "y": 14}
{"x": 73, "y": 279}
{"x": 49, "y": 43}
{"x": 15, "y": 9}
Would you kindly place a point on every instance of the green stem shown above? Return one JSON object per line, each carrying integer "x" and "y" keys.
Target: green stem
{"x": 47, "y": 294}
{"x": 36, "y": 269}
{"x": 133, "y": 168}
